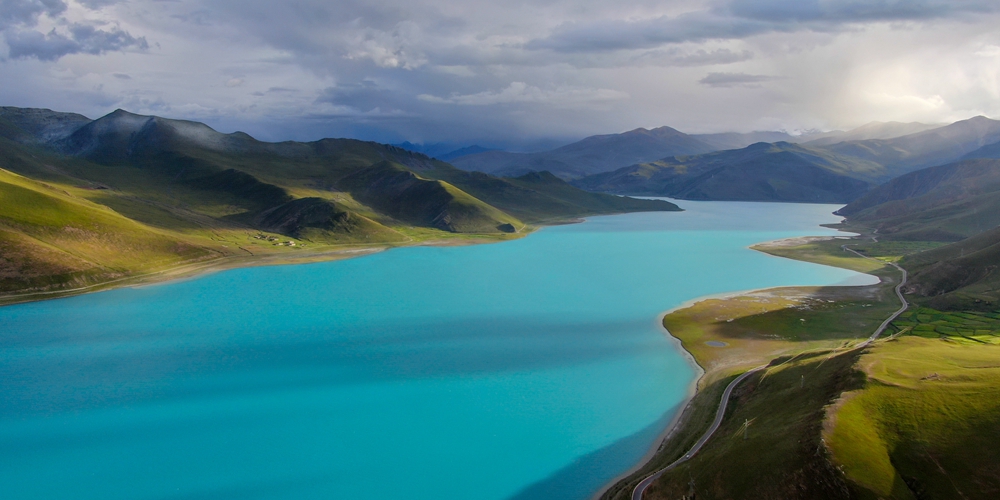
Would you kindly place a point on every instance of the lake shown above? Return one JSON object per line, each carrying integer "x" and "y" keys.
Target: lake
{"x": 528, "y": 369}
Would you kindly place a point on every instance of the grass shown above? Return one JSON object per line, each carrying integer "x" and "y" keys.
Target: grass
{"x": 926, "y": 424}
{"x": 893, "y": 251}
{"x": 965, "y": 327}
{"x": 809, "y": 331}
{"x": 824, "y": 251}
{"x": 52, "y": 239}
{"x": 910, "y": 417}
{"x": 769, "y": 446}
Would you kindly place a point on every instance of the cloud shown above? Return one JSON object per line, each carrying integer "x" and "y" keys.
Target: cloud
{"x": 701, "y": 57}
{"x": 504, "y": 73}
{"x": 27, "y": 12}
{"x": 19, "y": 17}
{"x": 740, "y": 19}
{"x": 520, "y": 92}
{"x": 726, "y": 80}
{"x": 23, "y": 44}
{"x": 97, "y": 4}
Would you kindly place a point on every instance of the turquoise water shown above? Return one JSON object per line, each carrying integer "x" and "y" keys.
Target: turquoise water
{"x": 528, "y": 369}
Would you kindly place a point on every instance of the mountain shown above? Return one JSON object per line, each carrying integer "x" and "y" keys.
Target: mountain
{"x": 943, "y": 203}
{"x": 468, "y": 150}
{"x": 868, "y": 131}
{"x": 911, "y": 152}
{"x": 987, "y": 151}
{"x": 760, "y": 172}
{"x": 433, "y": 150}
{"x": 207, "y": 193}
{"x": 599, "y": 153}
{"x": 50, "y": 239}
{"x": 38, "y": 126}
{"x": 734, "y": 140}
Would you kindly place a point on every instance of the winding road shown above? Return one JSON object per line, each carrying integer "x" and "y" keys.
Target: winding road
{"x": 640, "y": 488}
{"x": 899, "y": 294}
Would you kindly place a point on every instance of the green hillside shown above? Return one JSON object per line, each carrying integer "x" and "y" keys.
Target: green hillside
{"x": 201, "y": 194}
{"x": 50, "y": 239}
{"x": 945, "y": 203}
{"x": 962, "y": 275}
{"x": 392, "y": 189}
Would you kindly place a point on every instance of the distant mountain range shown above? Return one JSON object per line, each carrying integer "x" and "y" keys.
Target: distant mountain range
{"x": 594, "y": 154}
{"x": 869, "y": 131}
{"x": 140, "y": 186}
{"x": 806, "y": 172}
{"x": 605, "y": 153}
{"x": 760, "y": 172}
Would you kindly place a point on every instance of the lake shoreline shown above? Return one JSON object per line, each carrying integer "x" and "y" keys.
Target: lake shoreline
{"x": 717, "y": 372}
{"x": 191, "y": 270}
{"x": 644, "y": 260}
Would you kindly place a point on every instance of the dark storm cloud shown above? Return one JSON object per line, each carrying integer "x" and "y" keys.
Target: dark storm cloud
{"x": 18, "y": 18}
{"x": 499, "y": 73}
{"x": 27, "y": 12}
{"x": 80, "y": 39}
{"x": 744, "y": 18}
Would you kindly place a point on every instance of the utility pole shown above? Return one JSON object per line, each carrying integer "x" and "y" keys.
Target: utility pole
{"x": 802, "y": 382}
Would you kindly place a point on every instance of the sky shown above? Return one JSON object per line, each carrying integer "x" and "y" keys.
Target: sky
{"x": 517, "y": 74}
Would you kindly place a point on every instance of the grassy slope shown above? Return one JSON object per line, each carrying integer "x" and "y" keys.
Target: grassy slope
{"x": 769, "y": 446}
{"x": 248, "y": 201}
{"x": 392, "y": 189}
{"x": 960, "y": 275}
{"x": 757, "y": 328}
{"x": 541, "y": 197}
{"x": 925, "y": 424}
{"x": 925, "y": 433}
{"x": 944, "y": 203}
{"x": 52, "y": 239}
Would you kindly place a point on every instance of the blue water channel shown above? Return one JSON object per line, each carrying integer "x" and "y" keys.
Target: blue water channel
{"x": 530, "y": 369}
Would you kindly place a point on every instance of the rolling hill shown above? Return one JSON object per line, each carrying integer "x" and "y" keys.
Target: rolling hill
{"x": 943, "y": 203}
{"x": 599, "y": 153}
{"x": 205, "y": 193}
{"x": 962, "y": 275}
{"x": 760, "y": 172}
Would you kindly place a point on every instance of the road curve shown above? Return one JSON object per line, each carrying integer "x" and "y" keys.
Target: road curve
{"x": 899, "y": 293}
{"x": 641, "y": 487}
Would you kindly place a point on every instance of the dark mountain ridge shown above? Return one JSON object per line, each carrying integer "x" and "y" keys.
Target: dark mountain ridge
{"x": 759, "y": 172}
{"x": 944, "y": 203}
{"x": 599, "y": 153}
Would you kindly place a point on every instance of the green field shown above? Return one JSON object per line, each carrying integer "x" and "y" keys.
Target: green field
{"x": 926, "y": 424}
{"x": 967, "y": 327}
